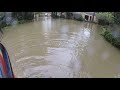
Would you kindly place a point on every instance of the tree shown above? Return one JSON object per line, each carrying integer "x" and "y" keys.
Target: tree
{"x": 23, "y": 15}
{"x": 105, "y": 18}
{"x": 54, "y": 14}
{"x": 116, "y": 17}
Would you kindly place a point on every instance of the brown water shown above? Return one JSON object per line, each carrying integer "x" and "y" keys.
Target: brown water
{"x": 59, "y": 48}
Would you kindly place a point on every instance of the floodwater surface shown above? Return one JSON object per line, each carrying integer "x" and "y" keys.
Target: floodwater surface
{"x": 60, "y": 48}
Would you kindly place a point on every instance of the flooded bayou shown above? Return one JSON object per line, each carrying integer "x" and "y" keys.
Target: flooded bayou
{"x": 60, "y": 48}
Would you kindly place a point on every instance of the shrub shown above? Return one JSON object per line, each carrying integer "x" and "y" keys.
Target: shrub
{"x": 23, "y": 15}
{"x": 110, "y": 38}
{"x": 80, "y": 18}
{"x": 116, "y": 42}
{"x": 105, "y": 18}
{"x": 117, "y": 17}
{"x": 104, "y": 31}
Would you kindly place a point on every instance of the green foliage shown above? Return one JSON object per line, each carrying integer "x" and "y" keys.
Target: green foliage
{"x": 110, "y": 38}
{"x": 2, "y": 24}
{"x": 103, "y": 31}
{"x": 23, "y": 15}
{"x": 105, "y": 18}
{"x": 116, "y": 17}
{"x": 80, "y": 18}
{"x": 1, "y": 15}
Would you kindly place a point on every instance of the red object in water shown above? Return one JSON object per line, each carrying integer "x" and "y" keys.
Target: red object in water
{"x": 3, "y": 65}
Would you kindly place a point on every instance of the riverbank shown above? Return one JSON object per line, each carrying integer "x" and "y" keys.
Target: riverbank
{"x": 16, "y": 22}
{"x": 111, "y": 33}
{"x": 3, "y": 26}
{"x": 24, "y": 21}
{"x": 112, "y": 36}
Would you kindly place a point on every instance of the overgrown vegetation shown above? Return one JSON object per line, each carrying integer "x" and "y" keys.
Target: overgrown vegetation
{"x": 23, "y": 15}
{"x": 116, "y": 17}
{"x": 105, "y": 18}
{"x": 2, "y": 23}
{"x": 110, "y": 38}
{"x": 80, "y": 18}
{"x": 20, "y": 17}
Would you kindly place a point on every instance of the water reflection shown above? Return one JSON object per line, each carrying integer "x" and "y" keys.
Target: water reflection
{"x": 47, "y": 25}
{"x": 87, "y": 33}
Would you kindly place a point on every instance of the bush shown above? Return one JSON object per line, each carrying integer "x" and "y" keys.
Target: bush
{"x": 104, "y": 31}
{"x": 117, "y": 42}
{"x": 110, "y": 38}
{"x": 105, "y": 18}
{"x": 80, "y": 18}
{"x": 23, "y": 15}
{"x": 117, "y": 17}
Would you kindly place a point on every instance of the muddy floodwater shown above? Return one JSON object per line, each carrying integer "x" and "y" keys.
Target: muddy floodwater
{"x": 60, "y": 48}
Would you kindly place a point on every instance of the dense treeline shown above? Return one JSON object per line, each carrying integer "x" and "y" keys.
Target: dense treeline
{"x": 104, "y": 18}
{"x": 116, "y": 17}
{"x": 23, "y": 15}
{"x": 107, "y": 18}
{"x": 20, "y": 17}
{"x": 67, "y": 15}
